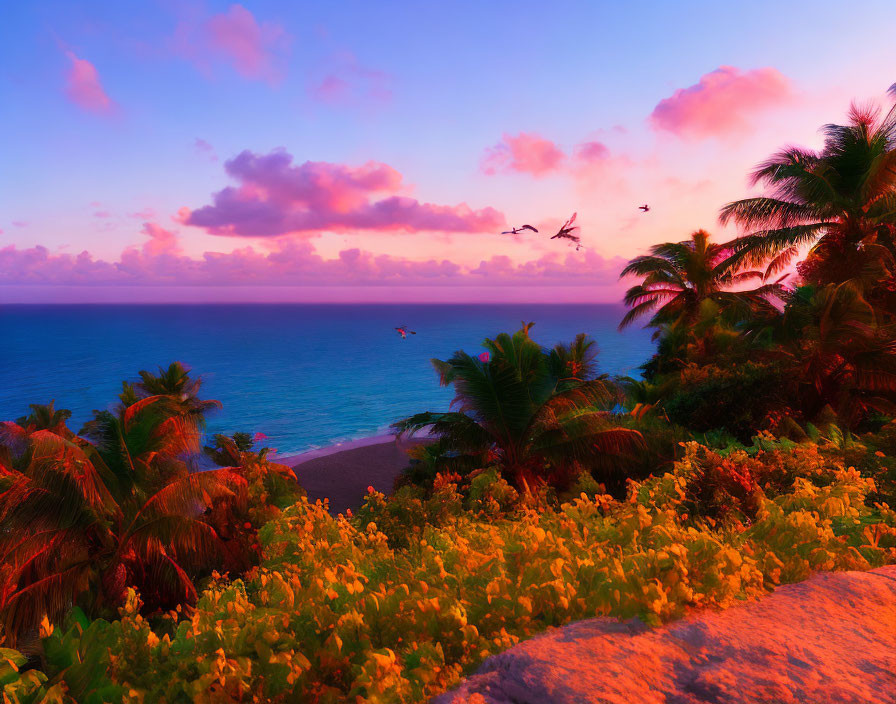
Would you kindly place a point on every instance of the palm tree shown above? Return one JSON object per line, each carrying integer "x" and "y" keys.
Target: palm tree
{"x": 841, "y": 199}
{"x": 46, "y": 417}
{"x": 74, "y": 531}
{"x": 679, "y": 276}
{"x": 539, "y": 414}
{"x": 174, "y": 381}
{"x": 147, "y": 443}
{"x": 840, "y": 353}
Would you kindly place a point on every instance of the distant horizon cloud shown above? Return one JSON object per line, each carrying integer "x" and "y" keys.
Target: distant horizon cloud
{"x": 234, "y": 37}
{"x": 83, "y": 86}
{"x": 721, "y": 102}
{"x": 276, "y": 197}
{"x": 159, "y": 261}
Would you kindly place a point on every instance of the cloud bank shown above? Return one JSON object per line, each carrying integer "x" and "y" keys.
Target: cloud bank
{"x": 275, "y": 197}
{"x": 160, "y": 262}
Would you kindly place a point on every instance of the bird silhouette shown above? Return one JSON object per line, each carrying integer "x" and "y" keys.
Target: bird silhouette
{"x": 404, "y": 332}
{"x": 566, "y": 232}
{"x": 645, "y": 208}
{"x": 518, "y": 230}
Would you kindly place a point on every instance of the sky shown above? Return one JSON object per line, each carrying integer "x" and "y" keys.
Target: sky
{"x": 374, "y": 152}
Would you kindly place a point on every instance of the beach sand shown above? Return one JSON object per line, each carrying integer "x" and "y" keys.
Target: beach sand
{"x": 342, "y": 473}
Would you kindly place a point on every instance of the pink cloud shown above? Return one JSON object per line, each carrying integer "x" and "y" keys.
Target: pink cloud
{"x": 294, "y": 263}
{"x": 102, "y": 214}
{"x": 553, "y": 268}
{"x": 83, "y": 87}
{"x": 254, "y": 50}
{"x": 523, "y": 153}
{"x": 161, "y": 241}
{"x": 348, "y": 82}
{"x": 145, "y": 214}
{"x": 592, "y": 152}
{"x": 723, "y": 101}
{"x": 537, "y": 156}
{"x": 20, "y": 223}
{"x": 275, "y": 197}
{"x": 205, "y": 149}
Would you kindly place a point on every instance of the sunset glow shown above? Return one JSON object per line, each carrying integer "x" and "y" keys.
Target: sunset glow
{"x": 259, "y": 152}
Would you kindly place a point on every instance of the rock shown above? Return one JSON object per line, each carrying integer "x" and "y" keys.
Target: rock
{"x": 830, "y": 639}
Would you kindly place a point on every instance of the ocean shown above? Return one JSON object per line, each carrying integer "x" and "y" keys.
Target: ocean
{"x": 306, "y": 376}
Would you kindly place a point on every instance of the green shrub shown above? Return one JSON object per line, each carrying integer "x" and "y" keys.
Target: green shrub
{"x": 737, "y": 397}
{"x": 396, "y": 603}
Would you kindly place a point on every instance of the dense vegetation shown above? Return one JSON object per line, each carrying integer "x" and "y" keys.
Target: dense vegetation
{"x": 758, "y": 446}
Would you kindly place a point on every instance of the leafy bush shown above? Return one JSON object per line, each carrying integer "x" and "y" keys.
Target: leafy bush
{"x": 736, "y": 397}
{"x": 22, "y": 686}
{"x": 363, "y": 609}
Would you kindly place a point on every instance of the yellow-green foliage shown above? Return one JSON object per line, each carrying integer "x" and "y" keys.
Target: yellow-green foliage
{"x": 338, "y": 612}
{"x": 28, "y": 687}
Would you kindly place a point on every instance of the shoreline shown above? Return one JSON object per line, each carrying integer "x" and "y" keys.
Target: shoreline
{"x": 343, "y": 472}
{"x": 296, "y": 459}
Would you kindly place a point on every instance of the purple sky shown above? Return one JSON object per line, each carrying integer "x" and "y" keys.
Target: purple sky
{"x": 357, "y": 151}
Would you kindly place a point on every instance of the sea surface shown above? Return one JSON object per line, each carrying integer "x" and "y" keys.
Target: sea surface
{"x": 306, "y": 376}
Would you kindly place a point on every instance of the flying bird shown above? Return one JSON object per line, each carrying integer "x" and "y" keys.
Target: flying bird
{"x": 404, "y": 332}
{"x": 566, "y": 232}
{"x": 645, "y": 208}
{"x": 518, "y": 230}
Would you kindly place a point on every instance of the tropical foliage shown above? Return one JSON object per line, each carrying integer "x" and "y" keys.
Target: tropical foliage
{"x": 541, "y": 415}
{"x": 825, "y": 346}
{"x": 757, "y": 447}
{"x": 338, "y": 612}
{"x": 841, "y": 200}
{"x": 86, "y": 517}
{"x": 678, "y": 277}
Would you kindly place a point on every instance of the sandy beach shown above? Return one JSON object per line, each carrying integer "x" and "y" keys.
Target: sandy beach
{"x": 342, "y": 473}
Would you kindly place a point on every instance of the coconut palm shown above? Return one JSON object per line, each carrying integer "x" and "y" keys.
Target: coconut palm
{"x": 679, "y": 276}
{"x": 840, "y": 353}
{"x": 46, "y": 417}
{"x": 175, "y": 381}
{"x": 841, "y": 200}
{"x": 73, "y": 533}
{"x": 538, "y": 414}
{"x": 147, "y": 443}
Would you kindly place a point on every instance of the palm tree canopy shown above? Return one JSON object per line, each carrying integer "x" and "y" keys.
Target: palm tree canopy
{"x": 82, "y": 518}
{"x": 842, "y": 198}
{"x": 844, "y": 356}
{"x": 527, "y": 407}
{"x": 175, "y": 381}
{"x": 679, "y": 276}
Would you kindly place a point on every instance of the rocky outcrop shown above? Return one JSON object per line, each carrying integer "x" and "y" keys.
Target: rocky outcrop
{"x": 830, "y": 639}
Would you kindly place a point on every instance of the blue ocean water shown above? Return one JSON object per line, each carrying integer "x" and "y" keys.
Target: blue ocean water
{"x": 304, "y": 375}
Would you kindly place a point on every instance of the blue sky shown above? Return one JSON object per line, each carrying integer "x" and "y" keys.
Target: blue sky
{"x": 429, "y": 87}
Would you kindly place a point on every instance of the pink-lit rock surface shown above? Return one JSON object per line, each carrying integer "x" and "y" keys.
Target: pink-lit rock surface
{"x": 829, "y": 639}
